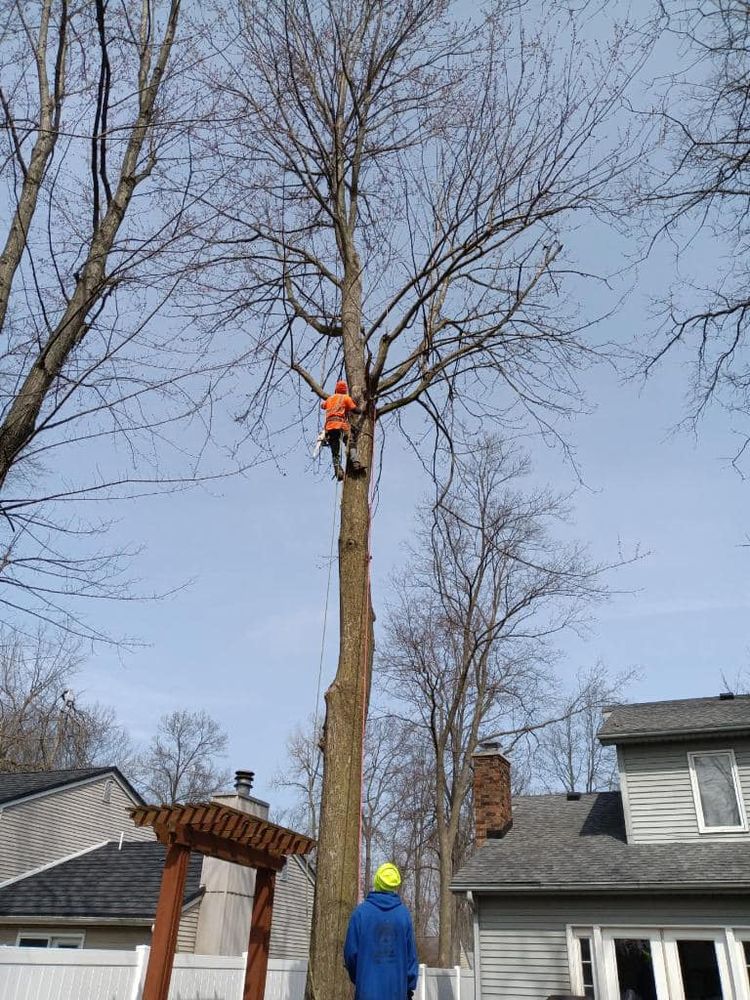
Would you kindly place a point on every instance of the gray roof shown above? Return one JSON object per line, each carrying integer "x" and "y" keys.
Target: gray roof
{"x": 579, "y": 846}
{"x": 106, "y": 882}
{"x": 675, "y": 719}
{"x": 18, "y": 784}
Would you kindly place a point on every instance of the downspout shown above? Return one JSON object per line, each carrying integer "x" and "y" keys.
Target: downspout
{"x": 474, "y": 904}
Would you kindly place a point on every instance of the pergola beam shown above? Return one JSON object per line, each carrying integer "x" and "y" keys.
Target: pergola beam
{"x": 260, "y": 936}
{"x": 166, "y": 924}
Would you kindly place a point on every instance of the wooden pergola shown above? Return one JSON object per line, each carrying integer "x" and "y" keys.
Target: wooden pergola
{"x": 216, "y": 831}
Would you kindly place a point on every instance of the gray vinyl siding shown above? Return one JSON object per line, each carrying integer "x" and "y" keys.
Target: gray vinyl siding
{"x": 188, "y": 928}
{"x": 114, "y": 936}
{"x": 660, "y": 799}
{"x": 52, "y": 826}
{"x": 523, "y": 940}
{"x": 292, "y": 913}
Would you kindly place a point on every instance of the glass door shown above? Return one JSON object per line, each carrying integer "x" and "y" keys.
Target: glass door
{"x": 697, "y": 965}
{"x": 634, "y": 965}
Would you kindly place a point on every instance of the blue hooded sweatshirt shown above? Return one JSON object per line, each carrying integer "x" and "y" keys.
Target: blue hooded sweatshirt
{"x": 379, "y": 952}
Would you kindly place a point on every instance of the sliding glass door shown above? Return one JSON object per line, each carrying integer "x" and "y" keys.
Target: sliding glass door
{"x": 654, "y": 964}
{"x": 698, "y": 965}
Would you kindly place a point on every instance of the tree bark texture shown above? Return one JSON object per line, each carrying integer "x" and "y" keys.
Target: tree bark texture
{"x": 337, "y": 876}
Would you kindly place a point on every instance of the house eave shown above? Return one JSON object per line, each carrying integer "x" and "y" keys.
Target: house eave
{"x": 673, "y": 736}
{"x": 79, "y": 921}
{"x": 598, "y": 888}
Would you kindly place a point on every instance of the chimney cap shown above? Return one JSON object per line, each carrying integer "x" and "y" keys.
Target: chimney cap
{"x": 243, "y": 780}
{"x": 489, "y": 747}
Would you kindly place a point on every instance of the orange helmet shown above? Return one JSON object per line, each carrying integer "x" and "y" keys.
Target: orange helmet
{"x": 342, "y": 387}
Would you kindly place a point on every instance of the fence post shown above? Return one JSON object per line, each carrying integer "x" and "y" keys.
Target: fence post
{"x": 457, "y": 970}
{"x": 422, "y": 982}
{"x": 139, "y": 972}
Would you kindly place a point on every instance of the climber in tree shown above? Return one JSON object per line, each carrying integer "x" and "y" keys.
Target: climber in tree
{"x": 337, "y": 426}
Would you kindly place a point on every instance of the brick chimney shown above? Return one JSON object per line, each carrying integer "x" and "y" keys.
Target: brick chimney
{"x": 493, "y": 816}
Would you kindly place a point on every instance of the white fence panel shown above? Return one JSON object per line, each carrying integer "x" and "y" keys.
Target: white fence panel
{"x": 89, "y": 974}
{"x": 59, "y": 974}
{"x": 286, "y": 980}
{"x": 206, "y": 977}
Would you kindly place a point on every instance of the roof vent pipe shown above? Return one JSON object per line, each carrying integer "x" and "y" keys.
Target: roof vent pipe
{"x": 243, "y": 783}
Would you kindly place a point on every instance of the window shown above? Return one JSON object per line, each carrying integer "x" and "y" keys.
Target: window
{"x": 635, "y": 969}
{"x": 29, "y": 939}
{"x": 699, "y": 967}
{"x": 746, "y": 948}
{"x": 587, "y": 967}
{"x": 716, "y": 789}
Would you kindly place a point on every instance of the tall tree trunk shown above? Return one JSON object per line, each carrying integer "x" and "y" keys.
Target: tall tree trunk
{"x": 337, "y": 876}
{"x": 446, "y": 906}
{"x": 338, "y": 868}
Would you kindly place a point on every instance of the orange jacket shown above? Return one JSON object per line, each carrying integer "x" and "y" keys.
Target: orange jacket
{"x": 337, "y": 408}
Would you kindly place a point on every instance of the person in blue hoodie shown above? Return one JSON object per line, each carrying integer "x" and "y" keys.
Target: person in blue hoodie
{"x": 380, "y": 953}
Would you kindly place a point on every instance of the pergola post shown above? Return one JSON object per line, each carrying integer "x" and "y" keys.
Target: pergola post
{"x": 260, "y": 935}
{"x": 167, "y": 923}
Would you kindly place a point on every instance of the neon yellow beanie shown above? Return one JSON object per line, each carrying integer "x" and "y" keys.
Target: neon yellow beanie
{"x": 387, "y": 878}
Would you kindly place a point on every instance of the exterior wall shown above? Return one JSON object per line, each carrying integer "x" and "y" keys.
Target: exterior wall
{"x": 523, "y": 939}
{"x": 188, "y": 929}
{"x": 224, "y": 918}
{"x": 114, "y": 936}
{"x": 660, "y": 801}
{"x": 292, "y": 913}
{"x": 52, "y": 826}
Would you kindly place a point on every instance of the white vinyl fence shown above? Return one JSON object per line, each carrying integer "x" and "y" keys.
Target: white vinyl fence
{"x": 91, "y": 974}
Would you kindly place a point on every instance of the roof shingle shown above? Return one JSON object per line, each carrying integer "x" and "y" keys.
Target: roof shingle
{"x": 675, "y": 719}
{"x": 556, "y": 845}
{"x": 107, "y": 882}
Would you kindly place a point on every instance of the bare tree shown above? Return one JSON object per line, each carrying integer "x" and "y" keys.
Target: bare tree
{"x": 699, "y": 181}
{"x": 301, "y": 775}
{"x": 182, "y": 763}
{"x": 569, "y": 755}
{"x": 43, "y": 724}
{"x": 471, "y": 633}
{"x": 98, "y": 178}
{"x": 400, "y": 183}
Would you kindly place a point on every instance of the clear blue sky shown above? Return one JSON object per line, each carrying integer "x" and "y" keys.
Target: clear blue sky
{"x": 243, "y": 639}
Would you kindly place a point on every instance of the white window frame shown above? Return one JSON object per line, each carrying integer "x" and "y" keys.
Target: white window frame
{"x": 76, "y": 938}
{"x": 740, "y": 935}
{"x": 575, "y": 959}
{"x": 735, "y": 976}
{"x": 702, "y": 828}
{"x": 723, "y": 955}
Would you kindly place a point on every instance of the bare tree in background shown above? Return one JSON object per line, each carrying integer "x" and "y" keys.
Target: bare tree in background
{"x": 400, "y": 181}
{"x": 301, "y": 774}
{"x": 699, "y": 181}
{"x": 470, "y": 635}
{"x": 98, "y": 182}
{"x": 569, "y": 755}
{"x": 44, "y": 725}
{"x": 183, "y": 761}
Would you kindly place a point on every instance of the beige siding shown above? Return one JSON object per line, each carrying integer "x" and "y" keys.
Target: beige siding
{"x": 292, "y": 913}
{"x": 188, "y": 928}
{"x": 51, "y": 826}
{"x": 104, "y": 936}
{"x": 523, "y": 943}
{"x": 660, "y": 799}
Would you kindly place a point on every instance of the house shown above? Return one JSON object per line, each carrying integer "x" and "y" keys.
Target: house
{"x": 77, "y": 872}
{"x": 639, "y": 894}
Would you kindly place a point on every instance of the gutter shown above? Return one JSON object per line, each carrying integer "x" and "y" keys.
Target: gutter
{"x": 616, "y": 888}
{"x": 675, "y": 735}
